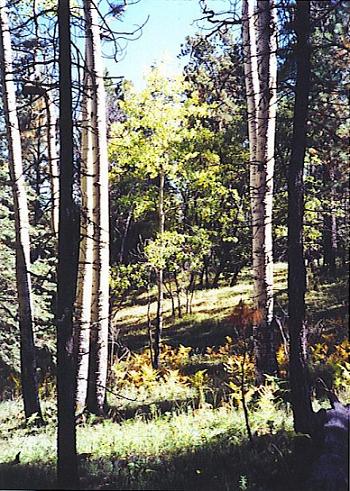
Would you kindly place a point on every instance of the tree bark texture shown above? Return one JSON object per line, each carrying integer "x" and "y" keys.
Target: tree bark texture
{"x": 160, "y": 274}
{"x": 300, "y": 392}
{"x": 329, "y": 222}
{"x": 125, "y": 235}
{"x": 53, "y": 162}
{"x": 260, "y": 65}
{"x": 86, "y": 247}
{"x": 100, "y": 286}
{"x": 67, "y": 270}
{"x": 23, "y": 280}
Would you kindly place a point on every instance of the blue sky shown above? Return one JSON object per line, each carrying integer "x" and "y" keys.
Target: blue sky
{"x": 170, "y": 21}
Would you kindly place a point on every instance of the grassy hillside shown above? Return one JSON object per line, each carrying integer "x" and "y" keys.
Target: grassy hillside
{"x": 209, "y": 323}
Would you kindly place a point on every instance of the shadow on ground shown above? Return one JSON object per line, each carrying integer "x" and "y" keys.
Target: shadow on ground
{"x": 189, "y": 332}
{"x": 326, "y": 301}
{"x": 273, "y": 462}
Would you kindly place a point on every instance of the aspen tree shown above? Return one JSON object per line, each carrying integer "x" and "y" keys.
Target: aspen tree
{"x": 260, "y": 44}
{"x": 100, "y": 282}
{"x": 85, "y": 271}
{"x": 166, "y": 120}
{"x": 25, "y": 302}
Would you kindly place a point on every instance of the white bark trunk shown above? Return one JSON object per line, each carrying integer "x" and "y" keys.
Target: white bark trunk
{"x": 85, "y": 271}
{"x": 251, "y": 74}
{"x": 267, "y": 70}
{"x": 260, "y": 65}
{"x": 100, "y": 289}
{"x": 249, "y": 19}
{"x": 25, "y": 305}
{"x": 260, "y": 68}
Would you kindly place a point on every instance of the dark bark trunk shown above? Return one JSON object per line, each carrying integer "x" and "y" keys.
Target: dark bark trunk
{"x": 178, "y": 296}
{"x": 160, "y": 276}
{"x": 243, "y": 394}
{"x": 170, "y": 292}
{"x": 125, "y": 234}
{"x": 201, "y": 278}
{"x": 219, "y": 271}
{"x": 206, "y": 272}
{"x": 300, "y": 391}
{"x": 225, "y": 253}
{"x": 192, "y": 292}
{"x": 159, "y": 320}
{"x": 37, "y": 207}
{"x": 149, "y": 322}
{"x": 329, "y": 224}
{"x": 189, "y": 293}
{"x": 67, "y": 266}
{"x": 264, "y": 351}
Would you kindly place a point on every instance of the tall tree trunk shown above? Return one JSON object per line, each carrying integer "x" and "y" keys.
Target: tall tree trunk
{"x": 25, "y": 307}
{"x": 85, "y": 271}
{"x": 260, "y": 44}
{"x": 329, "y": 223}
{"x": 37, "y": 164}
{"x": 53, "y": 162}
{"x": 100, "y": 289}
{"x": 178, "y": 295}
{"x": 160, "y": 274}
{"x": 300, "y": 392}
{"x": 35, "y": 89}
{"x": 125, "y": 234}
{"x": 67, "y": 270}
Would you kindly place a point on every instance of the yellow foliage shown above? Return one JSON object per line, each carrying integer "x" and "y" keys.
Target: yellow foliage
{"x": 341, "y": 352}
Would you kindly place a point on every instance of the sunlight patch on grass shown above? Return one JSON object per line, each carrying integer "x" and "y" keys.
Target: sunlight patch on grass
{"x": 215, "y": 303}
{"x": 171, "y": 432}
{"x": 35, "y": 444}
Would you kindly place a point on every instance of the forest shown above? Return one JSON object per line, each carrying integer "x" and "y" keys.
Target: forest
{"x": 174, "y": 255}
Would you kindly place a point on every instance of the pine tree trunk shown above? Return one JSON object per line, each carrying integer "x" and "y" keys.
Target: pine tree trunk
{"x": 160, "y": 275}
{"x": 300, "y": 392}
{"x": 100, "y": 288}
{"x": 260, "y": 44}
{"x": 85, "y": 271}
{"x": 25, "y": 307}
{"x": 329, "y": 224}
{"x": 178, "y": 295}
{"x": 125, "y": 234}
{"x": 66, "y": 270}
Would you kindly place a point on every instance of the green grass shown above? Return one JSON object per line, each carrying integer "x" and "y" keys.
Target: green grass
{"x": 174, "y": 450}
{"x": 207, "y": 325}
{"x": 183, "y": 430}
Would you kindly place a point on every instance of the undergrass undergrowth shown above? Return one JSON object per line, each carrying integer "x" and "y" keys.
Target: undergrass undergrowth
{"x": 136, "y": 452}
{"x": 183, "y": 426}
